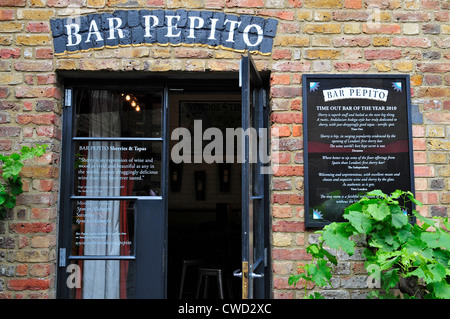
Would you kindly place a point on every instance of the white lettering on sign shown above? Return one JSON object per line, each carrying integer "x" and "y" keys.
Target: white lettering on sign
{"x": 177, "y": 27}
{"x": 355, "y": 93}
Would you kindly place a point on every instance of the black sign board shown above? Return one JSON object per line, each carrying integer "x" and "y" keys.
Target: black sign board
{"x": 123, "y": 28}
{"x": 357, "y": 137}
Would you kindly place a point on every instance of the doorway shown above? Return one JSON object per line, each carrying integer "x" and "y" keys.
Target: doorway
{"x": 204, "y": 198}
{"x": 132, "y": 212}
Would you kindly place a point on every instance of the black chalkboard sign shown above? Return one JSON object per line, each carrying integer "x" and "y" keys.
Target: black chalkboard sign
{"x": 357, "y": 137}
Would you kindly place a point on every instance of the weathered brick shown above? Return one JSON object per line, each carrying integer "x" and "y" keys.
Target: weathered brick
{"x": 7, "y": 53}
{"x": 245, "y": 3}
{"x": 411, "y": 16}
{"x": 322, "y": 3}
{"x": 279, "y": 130}
{"x": 434, "y": 67}
{"x": 322, "y": 54}
{"x": 44, "y": 119}
{"x": 329, "y": 28}
{"x": 292, "y": 41}
{"x": 285, "y": 91}
{"x": 291, "y": 199}
{"x": 6, "y": 14}
{"x": 31, "y": 92}
{"x": 354, "y": 41}
{"x": 282, "y": 211}
{"x": 292, "y": 66}
{"x": 33, "y": 66}
{"x": 26, "y": 228}
{"x": 374, "y": 28}
{"x": 384, "y": 54}
{"x": 414, "y": 42}
{"x": 12, "y": 3}
{"x": 291, "y": 254}
{"x": 280, "y": 157}
{"x": 356, "y": 66}
{"x": 28, "y": 284}
{"x": 288, "y": 226}
{"x": 33, "y": 40}
{"x": 286, "y": 118}
{"x": 288, "y": 170}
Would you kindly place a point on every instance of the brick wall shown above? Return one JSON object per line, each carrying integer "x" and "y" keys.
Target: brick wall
{"x": 314, "y": 36}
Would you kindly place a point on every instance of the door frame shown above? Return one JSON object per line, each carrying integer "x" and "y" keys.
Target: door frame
{"x": 256, "y": 265}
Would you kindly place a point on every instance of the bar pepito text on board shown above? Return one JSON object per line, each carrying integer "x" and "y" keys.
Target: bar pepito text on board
{"x": 123, "y": 28}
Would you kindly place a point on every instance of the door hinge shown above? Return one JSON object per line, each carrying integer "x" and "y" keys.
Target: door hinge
{"x": 68, "y": 98}
{"x": 62, "y": 257}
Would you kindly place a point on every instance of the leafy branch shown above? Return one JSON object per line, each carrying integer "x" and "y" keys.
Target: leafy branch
{"x": 11, "y": 185}
{"x": 415, "y": 258}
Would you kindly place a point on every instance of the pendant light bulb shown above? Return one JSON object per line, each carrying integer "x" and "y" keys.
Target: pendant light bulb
{"x": 127, "y": 97}
{"x": 133, "y": 103}
{"x": 138, "y": 108}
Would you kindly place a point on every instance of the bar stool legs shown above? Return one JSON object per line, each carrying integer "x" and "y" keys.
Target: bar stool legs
{"x": 186, "y": 264}
{"x": 206, "y": 273}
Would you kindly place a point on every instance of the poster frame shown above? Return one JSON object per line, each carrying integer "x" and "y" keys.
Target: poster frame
{"x": 309, "y": 221}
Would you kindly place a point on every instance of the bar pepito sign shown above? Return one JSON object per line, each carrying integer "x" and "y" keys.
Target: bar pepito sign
{"x": 124, "y": 28}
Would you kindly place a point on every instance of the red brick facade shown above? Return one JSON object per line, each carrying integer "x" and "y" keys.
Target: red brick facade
{"x": 313, "y": 36}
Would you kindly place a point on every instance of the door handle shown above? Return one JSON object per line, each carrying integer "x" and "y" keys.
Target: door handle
{"x": 238, "y": 273}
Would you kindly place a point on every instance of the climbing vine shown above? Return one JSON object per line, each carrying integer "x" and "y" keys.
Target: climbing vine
{"x": 413, "y": 257}
{"x": 11, "y": 183}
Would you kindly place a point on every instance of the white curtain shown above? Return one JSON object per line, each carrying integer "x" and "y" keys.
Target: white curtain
{"x": 101, "y": 278}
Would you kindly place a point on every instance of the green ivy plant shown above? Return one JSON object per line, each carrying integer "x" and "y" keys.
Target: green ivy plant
{"x": 11, "y": 183}
{"x": 400, "y": 254}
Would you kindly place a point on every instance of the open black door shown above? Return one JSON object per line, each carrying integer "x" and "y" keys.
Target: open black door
{"x": 254, "y": 244}
{"x": 113, "y": 237}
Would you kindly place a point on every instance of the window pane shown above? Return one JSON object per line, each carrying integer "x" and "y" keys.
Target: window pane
{"x": 101, "y": 279}
{"x": 105, "y": 168}
{"x": 103, "y": 228}
{"x": 106, "y": 113}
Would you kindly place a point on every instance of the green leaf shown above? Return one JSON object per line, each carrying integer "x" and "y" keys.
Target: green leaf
{"x": 438, "y": 272}
{"x": 293, "y": 279}
{"x": 10, "y": 202}
{"x": 336, "y": 235}
{"x": 396, "y": 194}
{"x": 389, "y": 279}
{"x": 431, "y": 239}
{"x": 15, "y": 185}
{"x": 330, "y": 257}
{"x": 399, "y": 220}
{"x": 411, "y": 198}
{"x": 442, "y": 290}
{"x": 377, "y": 193}
{"x": 360, "y": 221}
{"x": 3, "y": 197}
{"x": 436, "y": 239}
{"x": 320, "y": 273}
{"x": 315, "y": 295}
{"x": 313, "y": 250}
{"x": 378, "y": 212}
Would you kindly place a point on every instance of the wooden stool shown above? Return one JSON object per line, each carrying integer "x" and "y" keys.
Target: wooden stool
{"x": 187, "y": 263}
{"x": 206, "y": 273}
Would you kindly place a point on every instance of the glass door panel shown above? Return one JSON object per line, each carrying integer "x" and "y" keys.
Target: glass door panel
{"x": 118, "y": 113}
{"x": 113, "y": 194}
{"x": 103, "y": 228}
{"x": 117, "y": 168}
